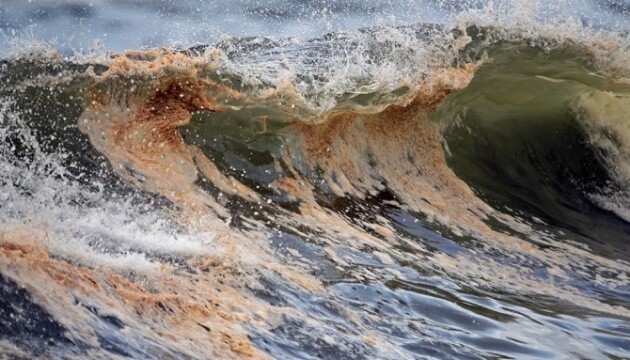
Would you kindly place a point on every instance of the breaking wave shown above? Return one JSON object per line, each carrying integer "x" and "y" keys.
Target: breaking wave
{"x": 390, "y": 192}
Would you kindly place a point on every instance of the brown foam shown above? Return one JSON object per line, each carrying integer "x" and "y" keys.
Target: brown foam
{"x": 163, "y": 308}
{"x": 138, "y": 130}
{"x": 399, "y": 149}
{"x": 359, "y": 153}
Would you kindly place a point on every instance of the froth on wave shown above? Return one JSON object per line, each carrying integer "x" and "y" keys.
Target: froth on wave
{"x": 291, "y": 171}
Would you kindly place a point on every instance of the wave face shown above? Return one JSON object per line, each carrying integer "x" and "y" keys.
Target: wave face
{"x": 541, "y": 135}
{"x": 390, "y": 192}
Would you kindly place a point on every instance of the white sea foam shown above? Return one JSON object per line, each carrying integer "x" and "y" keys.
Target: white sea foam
{"x": 605, "y": 118}
{"x": 82, "y": 223}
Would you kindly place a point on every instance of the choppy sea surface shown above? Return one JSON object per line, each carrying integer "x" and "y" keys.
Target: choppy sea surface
{"x": 303, "y": 180}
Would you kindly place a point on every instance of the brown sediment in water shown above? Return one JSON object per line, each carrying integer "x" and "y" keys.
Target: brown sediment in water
{"x": 359, "y": 155}
{"x": 398, "y": 149}
{"x": 137, "y": 130}
{"x": 164, "y": 308}
{"x": 226, "y": 184}
{"x": 143, "y": 142}
{"x": 136, "y": 125}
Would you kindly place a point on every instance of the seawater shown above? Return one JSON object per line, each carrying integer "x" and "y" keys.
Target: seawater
{"x": 367, "y": 180}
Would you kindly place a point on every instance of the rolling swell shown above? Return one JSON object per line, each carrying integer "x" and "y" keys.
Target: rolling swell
{"x": 523, "y": 136}
{"x": 261, "y": 199}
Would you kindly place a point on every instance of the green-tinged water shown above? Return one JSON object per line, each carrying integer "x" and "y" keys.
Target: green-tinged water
{"x": 319, "y": 200}
{"x": 519, "y": 134}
